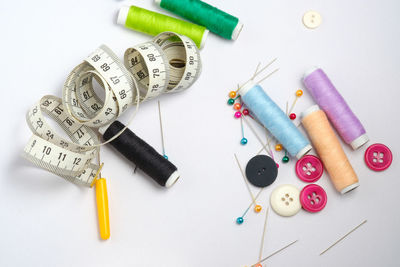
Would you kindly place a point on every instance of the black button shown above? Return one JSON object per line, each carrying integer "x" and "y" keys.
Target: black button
{"x": 261, "y": 171}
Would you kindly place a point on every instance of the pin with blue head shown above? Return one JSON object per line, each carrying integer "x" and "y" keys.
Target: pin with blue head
{"x": 239, "y": 220}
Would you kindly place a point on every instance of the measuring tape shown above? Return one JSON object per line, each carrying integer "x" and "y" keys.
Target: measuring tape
{"x": 169, "y": 63}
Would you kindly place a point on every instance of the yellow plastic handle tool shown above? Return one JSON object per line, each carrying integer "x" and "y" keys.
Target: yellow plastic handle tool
{"x": 102, "y": 208}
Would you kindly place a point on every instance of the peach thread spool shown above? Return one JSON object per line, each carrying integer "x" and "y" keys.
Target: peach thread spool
{"x": 329, "y": 149}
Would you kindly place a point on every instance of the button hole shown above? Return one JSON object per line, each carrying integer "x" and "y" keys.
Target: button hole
{"x": 309, "y": 196}
{"x": 286, "y": 195}
{"x": 314, "y": 194}
{"x": 287, "y": 203}
{"x": 375, "y": 154}
{"x": 283, "y": 199}
{"x": 291, "y": 199}
{"x": 313, "y": 169}
{"x": 312, "y": 202}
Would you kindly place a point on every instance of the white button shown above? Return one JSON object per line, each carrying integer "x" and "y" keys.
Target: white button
{"x": 312, "y": 19}
{"x": 285, "y": 200}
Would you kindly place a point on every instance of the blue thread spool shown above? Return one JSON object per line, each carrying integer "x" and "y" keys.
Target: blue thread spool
{"x": 274, "y": 119}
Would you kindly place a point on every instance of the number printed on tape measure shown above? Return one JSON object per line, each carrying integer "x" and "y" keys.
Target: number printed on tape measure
{"x": 69, "y": 159}
{"x": 169, "y": 63}
{"x": 147, "y": 63}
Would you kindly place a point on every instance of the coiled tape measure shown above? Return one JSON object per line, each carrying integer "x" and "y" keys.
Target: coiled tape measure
{"x": 169, "y": 63}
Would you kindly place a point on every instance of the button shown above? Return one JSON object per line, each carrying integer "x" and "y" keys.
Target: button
{"x": 378, "y": 157}
{"x": 312, "y": 19}
{"x": 261, "y": 171}
{"x": 309, "y": 168}
{"x": 313, "y": 198}
{"x": 285, "y": 200}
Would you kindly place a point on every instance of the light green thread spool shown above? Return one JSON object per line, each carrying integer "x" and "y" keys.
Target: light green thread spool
{"x": 153, "y": 23}
{"x": 201, "y": 13}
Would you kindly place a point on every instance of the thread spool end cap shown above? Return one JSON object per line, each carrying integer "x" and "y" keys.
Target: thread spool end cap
{"x": 236, "y": 32}
{"x": 308, "y": 111}
{"x": 246, "y": 87}
{"x": 311, "y": 70}
{"x": 123, "y": 15}
{"x": 349, "y": 188}
{"x": 359, "y": 141}
{"x": 158, "y": 2}
{"x": 172, "y": 179}
{"x": 303, "y": 151}
{"x": 204, "y": 38}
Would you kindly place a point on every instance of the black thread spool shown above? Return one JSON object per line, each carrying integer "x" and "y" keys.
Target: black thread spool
{"x": 144, "y": 156}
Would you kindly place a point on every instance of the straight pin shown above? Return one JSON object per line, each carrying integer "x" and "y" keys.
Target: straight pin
{"x": 264, "y": 147}
{"x": 240, "y": 219}
{"x": 267, "y": 76}
{"x": 254, "y": 132}
{"x": 276, "y": 252}
{"x": 294, "y": 103}
{"x": 266, "y": 66}
{"x": 343, "y": 237}
{"x": 263, "y": 235}
{"x": 269, "y": 147}
{"x": 162, "y": 132}
{"x": 257, "y": 208}
{"x": 243, "y": 141}
{"x": 257, "y": 73}
{"x": 299, "y": 93}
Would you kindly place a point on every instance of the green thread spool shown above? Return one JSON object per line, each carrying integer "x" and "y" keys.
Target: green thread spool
{"x": 201, "y": 13}
{"x": 153, "y": 23}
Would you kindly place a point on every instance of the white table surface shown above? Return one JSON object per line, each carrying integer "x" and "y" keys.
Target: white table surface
{"x": 47, "y": 221}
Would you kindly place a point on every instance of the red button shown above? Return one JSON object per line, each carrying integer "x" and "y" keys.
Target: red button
{"x": 309, "y": 168}
{"x": 378, "y": 157}
{"x": 313, "y": 198}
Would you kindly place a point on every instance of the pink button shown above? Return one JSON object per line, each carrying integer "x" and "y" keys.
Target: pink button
{"x": 378, "y": 157}
{"x": 313, "y": 198}
{"x": 309, "y": 168}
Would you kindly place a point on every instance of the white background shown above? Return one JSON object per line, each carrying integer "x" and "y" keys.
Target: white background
{"x": 46, "y": 221}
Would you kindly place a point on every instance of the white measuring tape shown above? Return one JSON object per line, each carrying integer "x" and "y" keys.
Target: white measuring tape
{"x": 170, "y": 63}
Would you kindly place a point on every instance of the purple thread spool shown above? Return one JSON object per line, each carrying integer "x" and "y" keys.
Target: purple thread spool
{"x": 339, "y": 113}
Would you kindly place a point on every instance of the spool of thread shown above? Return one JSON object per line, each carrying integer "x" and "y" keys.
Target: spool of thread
{"x": 329, "y": 149}
{"x": 153, "y": 23}
{"x": 339, "y": 113}
{"x": 217, "y": 21}
{"x": 274, "y": 119}
{"x": 141, "y": 154}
